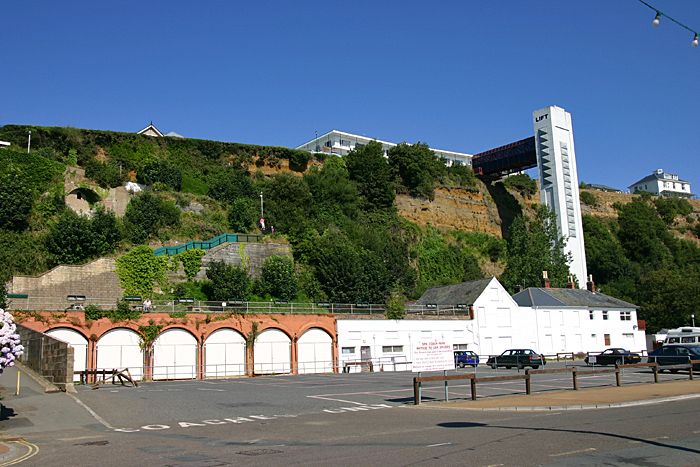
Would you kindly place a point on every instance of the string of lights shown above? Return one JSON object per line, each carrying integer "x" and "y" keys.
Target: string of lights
{"x": 657, "y": 20}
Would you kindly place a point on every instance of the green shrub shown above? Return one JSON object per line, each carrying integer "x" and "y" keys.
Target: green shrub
{"x": 588, "y": 198}
{"x": 93, "y": 312}
{"x": 522, "y": 183}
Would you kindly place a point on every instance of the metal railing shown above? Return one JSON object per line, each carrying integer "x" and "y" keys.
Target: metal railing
{"x": 58, "y": 304}
{"x": 206, "y": 245}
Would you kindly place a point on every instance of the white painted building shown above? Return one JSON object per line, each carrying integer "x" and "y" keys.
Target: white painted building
{"x": 660, "y": 183}
{"x": 341, "y": 143}
{"x": 549, "y": 321}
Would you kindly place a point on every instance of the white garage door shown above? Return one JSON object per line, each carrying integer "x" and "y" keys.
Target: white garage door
{"x": 119, "y": 349}
{"x": 315, "y": 349}
{"x": 224, "y": 354}
{"x": 175, "y": 355}
{"x": 79, "y": 344}
{"x": 272, "y": 352}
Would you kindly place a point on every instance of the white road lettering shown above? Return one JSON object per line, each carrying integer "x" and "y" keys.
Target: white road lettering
{"x": 249, "y": 418}
{"x": 155, "y": 427}
{"x": 188, "y": 424}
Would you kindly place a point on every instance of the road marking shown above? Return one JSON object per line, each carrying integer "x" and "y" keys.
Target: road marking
{"x": 207, "y": 389}
{"x": 436, "y": 445}
{"x": 572, "y": 452}
{"x": 81, "y": 437}
{"x": 33, "y": 450}
{"x": 92, "y": 412}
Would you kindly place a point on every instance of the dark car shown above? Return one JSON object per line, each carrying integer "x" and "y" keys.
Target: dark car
{"x": 675, "y": 354}
{"x": 466, "y": 357}
{"x": 613, "y": 357}
{"x": 517, "y": 357}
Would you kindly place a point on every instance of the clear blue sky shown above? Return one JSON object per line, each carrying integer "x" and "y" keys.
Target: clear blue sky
{"x": 459, "y": 75}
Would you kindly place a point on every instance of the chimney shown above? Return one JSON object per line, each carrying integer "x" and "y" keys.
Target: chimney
{"x": 518, "y": 288}
{"x": 545, "y": 279}
{"x": 590, "y": 285}
{"x": 570, "y": 284}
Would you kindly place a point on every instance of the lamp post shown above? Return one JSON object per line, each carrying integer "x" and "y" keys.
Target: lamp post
{"x": 693, "y": 318}
{"x": 262, "y": 214}
{"x": 29, "y": 141}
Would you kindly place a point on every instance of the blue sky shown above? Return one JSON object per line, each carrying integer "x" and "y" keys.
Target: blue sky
{"x": 460, "y": 75}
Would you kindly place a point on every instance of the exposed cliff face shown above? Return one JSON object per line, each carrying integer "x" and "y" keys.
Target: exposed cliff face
{"x": 453, "y": 208}
{"x": 491, "y": 210}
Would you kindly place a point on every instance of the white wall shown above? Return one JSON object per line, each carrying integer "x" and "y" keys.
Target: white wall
{"x": 390, "y": 342}
{"x": 501, "y": 324}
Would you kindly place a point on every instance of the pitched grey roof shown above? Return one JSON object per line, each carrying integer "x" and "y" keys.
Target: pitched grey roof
{"x": 453, "y": 294}
{"x": 534, "y": 296}
{"x": 655, "y": 176}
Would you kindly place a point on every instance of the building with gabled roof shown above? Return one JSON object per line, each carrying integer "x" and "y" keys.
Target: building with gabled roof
{"x": 151, "y": 130}
{"x": 660, "y": 183}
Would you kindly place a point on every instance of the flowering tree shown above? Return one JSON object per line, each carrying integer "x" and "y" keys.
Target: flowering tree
{"x": 9, "y": 340}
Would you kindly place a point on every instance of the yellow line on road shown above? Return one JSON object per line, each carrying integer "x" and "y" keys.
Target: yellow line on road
{"x": 32, "y": 451}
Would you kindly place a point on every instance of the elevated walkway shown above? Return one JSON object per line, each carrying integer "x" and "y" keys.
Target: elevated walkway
{"x": 511, "y": 158}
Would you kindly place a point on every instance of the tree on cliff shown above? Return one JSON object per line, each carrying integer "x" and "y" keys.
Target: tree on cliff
{"x": 375, "y": 182}
{"x": 16, "y": 198}
{"x": 417, "y": 167}
{"x": 534, "y": 245}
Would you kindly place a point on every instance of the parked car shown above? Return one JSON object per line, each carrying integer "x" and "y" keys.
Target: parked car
{"x": 517, "y": 357}
{"x": 613, "y": 357}
{"x": 675, "y": 354}
{"x": 466, "y": 357}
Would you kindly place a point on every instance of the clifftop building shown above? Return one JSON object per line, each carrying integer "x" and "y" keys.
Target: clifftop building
{"x": 341, "y": 143}
{"x": 663, "y": 184}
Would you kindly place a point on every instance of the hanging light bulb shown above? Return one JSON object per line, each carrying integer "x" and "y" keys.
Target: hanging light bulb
{"x": 656, "y": 20}
{"x": 695, "y": 41}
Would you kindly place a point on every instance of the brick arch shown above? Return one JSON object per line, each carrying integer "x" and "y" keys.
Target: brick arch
{"x": 291, "y": 325}
{"x": 67, "y": 326}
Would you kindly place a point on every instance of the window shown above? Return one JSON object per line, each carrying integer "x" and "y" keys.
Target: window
{"x": 605, "y": 317}
{"x": 392, "y": 348}
{"x": 348, "y": 350}
{"x": 688, "y": 340}
{"x": 628, "y": 335}
{"x": 591, "y": 314}
{"x": 607, "y": 339}
{"x": 625, "y": 316}
{"x": 459, "y": 346}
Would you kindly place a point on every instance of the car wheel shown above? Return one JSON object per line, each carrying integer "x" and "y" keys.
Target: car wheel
{"x": 520, "y": 366}
{"x": 673, "y": 371}
{"x": 461, "y": 364}
{"x": 475, "y": 365}
{"x": 493, "y": 367}
{"x": 534, "y": 367}
{"x": 618, "y": 361}
{"x": 508, "y": 367}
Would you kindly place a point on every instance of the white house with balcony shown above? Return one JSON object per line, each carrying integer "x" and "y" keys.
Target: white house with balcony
{"x": 660, "y": 183}
{"x": 341, "y": 143}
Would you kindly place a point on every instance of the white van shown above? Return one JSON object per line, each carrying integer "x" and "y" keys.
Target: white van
{"x": 684, "y": 335}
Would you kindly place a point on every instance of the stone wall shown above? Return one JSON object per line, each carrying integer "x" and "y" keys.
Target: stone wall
{"x": 95, "y": 279}
{"x": 254, "y": 253}
{"x": 50, "y": 357}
